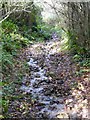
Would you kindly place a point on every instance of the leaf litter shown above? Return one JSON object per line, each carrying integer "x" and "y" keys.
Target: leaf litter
{"x": 51, "y": 89}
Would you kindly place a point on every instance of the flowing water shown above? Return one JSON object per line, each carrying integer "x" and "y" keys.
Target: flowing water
{"x": 47, "y": 104}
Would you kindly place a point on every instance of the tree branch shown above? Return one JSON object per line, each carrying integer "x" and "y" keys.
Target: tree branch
{"x": 6, "y": 15}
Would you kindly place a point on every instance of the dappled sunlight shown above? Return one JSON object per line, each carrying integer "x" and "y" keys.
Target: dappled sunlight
{"x": 53, "y": 89}
{"x": 51, "y": 47}
{"x": 38, "y": 85}
{"x": 64, "y": 44}
{"x": 45, "y": 59}
{"x": 51, "y": 81}
{"x": 76, "y": 105}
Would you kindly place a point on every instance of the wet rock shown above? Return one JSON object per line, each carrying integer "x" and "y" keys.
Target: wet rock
{"x": 47, "y": 81}
{"x": 27, "y": 83}
{"x": 34, "y": 69}
{"x": 39, "y": 107}
{"x": 60, "y": 82}
{"x": 40, "y": 104}
{"x": 48, "y": 92}
{"x": 44, "y": 84}
{"x": 54, "y": 101}
{"x": 35, "y": 85}
{"x": 37, "y": 75}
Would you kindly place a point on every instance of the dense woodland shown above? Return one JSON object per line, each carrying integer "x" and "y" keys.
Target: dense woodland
{"x": 59, "y": 46}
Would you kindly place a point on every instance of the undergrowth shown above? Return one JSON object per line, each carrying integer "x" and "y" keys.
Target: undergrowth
{"x": 13, "y": 68}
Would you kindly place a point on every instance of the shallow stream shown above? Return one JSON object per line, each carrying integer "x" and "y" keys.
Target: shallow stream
{"x": 46, "y": 104}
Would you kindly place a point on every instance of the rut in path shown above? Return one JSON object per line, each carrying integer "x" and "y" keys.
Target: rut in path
{"x": 41, "y": 88}
{"x": 49, "y": 84}
{"x": 52, "y": 73}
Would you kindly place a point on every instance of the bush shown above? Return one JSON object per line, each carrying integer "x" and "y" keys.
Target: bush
{"x": 11, "y": 41}
{"x": 9, "y": 27}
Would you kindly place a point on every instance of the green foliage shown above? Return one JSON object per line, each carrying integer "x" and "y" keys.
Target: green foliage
{"x": 77, "y": 57}
{"x": 9, "y": 27}
{"x": 82, "y": 63}
{"x": 4, "y": 106}
{"x": 7, "y": 62}
{"x": 85, "y": 62}
{"x": 75, "y": 47}
{"x": 42, "y": 32}
{"x": 12, "y": 41}
{"x": 19, "y": 40}
{"x": 72, "y": 41}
